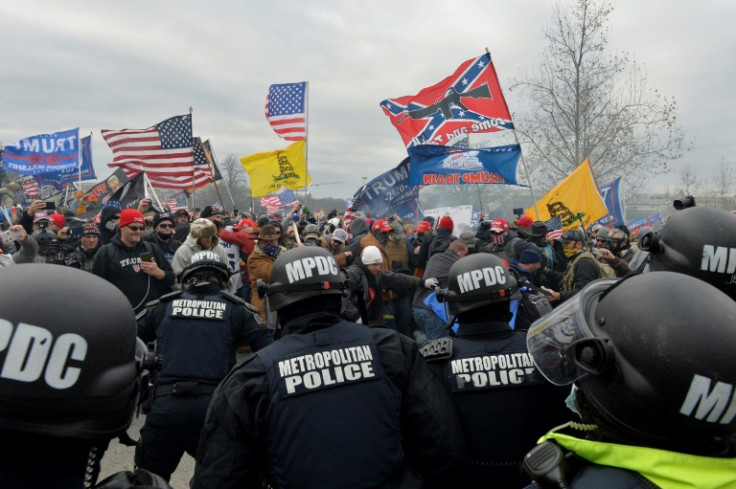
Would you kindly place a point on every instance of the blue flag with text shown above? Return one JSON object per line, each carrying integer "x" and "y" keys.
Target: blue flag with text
{"x": 43, "y": 153}
{"x": 446, "y": 165}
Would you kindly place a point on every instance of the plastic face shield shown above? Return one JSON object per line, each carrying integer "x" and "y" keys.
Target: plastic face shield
{"x": 551, "y": 339}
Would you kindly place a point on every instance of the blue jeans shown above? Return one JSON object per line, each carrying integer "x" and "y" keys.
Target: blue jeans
{"x": 400, "y": 317}
{"x": 430, "y": 324}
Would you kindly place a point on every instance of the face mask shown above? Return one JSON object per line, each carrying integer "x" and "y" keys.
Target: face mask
{"x": 498, "y": 239}
{"x": 615, "y": 246}
{"x": 163, "y": 236}
{"x": 570, "y": 252}
{"x": 111, "y": 225}
{"x": 270, "y": 250}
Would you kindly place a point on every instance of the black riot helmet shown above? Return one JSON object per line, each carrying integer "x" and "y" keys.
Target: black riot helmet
{"x": 69, "y": 370}
{"x": 697, "y": 241}
{"x": 303, "y": 273}
{"x": 650, "y": 368}
{"x": 478, "y": 280}
{"x": 205, "y": 265}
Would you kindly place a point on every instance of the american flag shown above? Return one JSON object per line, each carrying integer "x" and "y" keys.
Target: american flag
{"x": 176, "y": 202}
{"x": 554, "y": 228}
{"x": 31, "y": 189}
{"x": 165, "y": 152}
{"x": 285, "y": 198}
{"x": 286, "y": 110}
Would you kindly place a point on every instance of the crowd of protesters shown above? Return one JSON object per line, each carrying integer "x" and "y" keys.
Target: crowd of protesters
{"x": 460, "y": 298}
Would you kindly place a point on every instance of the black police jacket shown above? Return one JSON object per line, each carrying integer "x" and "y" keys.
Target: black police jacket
{"x": 198, "y": 331}
{"x": 331, "y": 404}
{"x": 504, "y": 403}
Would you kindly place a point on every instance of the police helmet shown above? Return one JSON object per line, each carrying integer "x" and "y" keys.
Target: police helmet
{"x": 649, "y": 367}
{"x": 205, "y": 263}
{"x": 697, "y": 241}
{"x": 478, "y": 280}
{"x": 67, "y": 370}
{"x": 302, "y": 273}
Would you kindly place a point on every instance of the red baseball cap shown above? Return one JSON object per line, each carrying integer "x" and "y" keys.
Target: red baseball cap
{"x": 524, "y": 222}
{"x": 499, "y": 225}
{"x": 424, "y": 226}
{"x": 381, "y": 225}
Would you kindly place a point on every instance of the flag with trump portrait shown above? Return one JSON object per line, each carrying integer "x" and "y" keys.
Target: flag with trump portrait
{"x": 468, "y": 101}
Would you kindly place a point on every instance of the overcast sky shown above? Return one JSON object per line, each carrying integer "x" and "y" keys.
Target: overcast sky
{"x": 113, "y": 65}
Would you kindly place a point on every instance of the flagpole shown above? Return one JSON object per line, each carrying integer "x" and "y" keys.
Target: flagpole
{"x": 598, "y": 188}
{"x": 209, "y": 162}
{"x": 149, "y": 187}
{"x": 521, "y": 156}
{"x": 214, "y": 166}
{"x": 306, "y": 140}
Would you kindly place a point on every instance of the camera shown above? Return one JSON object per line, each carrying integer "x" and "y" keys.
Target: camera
{"x": 684, "y": 203}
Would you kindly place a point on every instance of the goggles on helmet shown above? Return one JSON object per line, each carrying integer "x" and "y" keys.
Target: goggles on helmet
{"x": 556, "y": 340}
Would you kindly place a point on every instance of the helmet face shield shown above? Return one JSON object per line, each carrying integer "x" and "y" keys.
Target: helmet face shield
{"x": 552, "y": 339}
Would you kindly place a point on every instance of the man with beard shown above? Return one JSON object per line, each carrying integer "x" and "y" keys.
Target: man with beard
{"x": 163, "y": 236}
{"x": 137, "y": 268}
{"x": 89, "y": 243}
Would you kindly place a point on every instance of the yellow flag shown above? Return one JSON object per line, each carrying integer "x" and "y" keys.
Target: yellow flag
{"x": 269, "y": 171}
{"x": 575, "y": 200}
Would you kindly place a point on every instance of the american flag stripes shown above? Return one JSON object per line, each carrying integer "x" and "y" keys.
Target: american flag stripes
{"x": 165, "y": 152}
{"x": 554, "y": 228}
{"x": 285, "y": 198}
{"x": 286, "y": 110}
{"x": 31, "y": 189}
{"x": 176, "y": 202}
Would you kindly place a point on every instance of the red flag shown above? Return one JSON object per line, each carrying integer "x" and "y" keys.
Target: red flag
{"x": 468, "y": 101}
{"x": 165, "y": 152}
{"x": 286, "y": 110}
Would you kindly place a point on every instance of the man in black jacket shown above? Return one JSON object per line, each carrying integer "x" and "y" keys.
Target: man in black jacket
{"x": 163, "y": 236}
{"x": 332, "y": 404}
{"x": 137, "y": 268}
{"x": 197, "y": 332}
{"x": 504, "y": 403}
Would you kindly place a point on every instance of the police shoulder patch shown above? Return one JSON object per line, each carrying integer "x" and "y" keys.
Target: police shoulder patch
{"x": 440, "y": 349}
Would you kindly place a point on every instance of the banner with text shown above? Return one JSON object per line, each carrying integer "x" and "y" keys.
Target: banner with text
{"x": 44, "y": 153}
{"x": 447, "y": 165}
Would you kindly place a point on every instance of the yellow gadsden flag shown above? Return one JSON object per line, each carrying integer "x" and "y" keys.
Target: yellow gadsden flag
{"x": 575, "y": 200}
{"x": 269, "y": 171}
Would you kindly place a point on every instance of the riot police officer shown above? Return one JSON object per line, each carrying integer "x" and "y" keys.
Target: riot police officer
{"x": 651, "y": 358}
{"x": 697, "y": 241}
{"x": 69, "y": 381}
{"x": 197, "y": 332}
{"x": 331, "y": 404}
{"x": 503, "y": 402}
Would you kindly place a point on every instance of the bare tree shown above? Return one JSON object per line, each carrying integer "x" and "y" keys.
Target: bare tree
{"x": 723, "y": 177}
{"x": 584, "y": 103}
{"x": 689, "y": 180}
